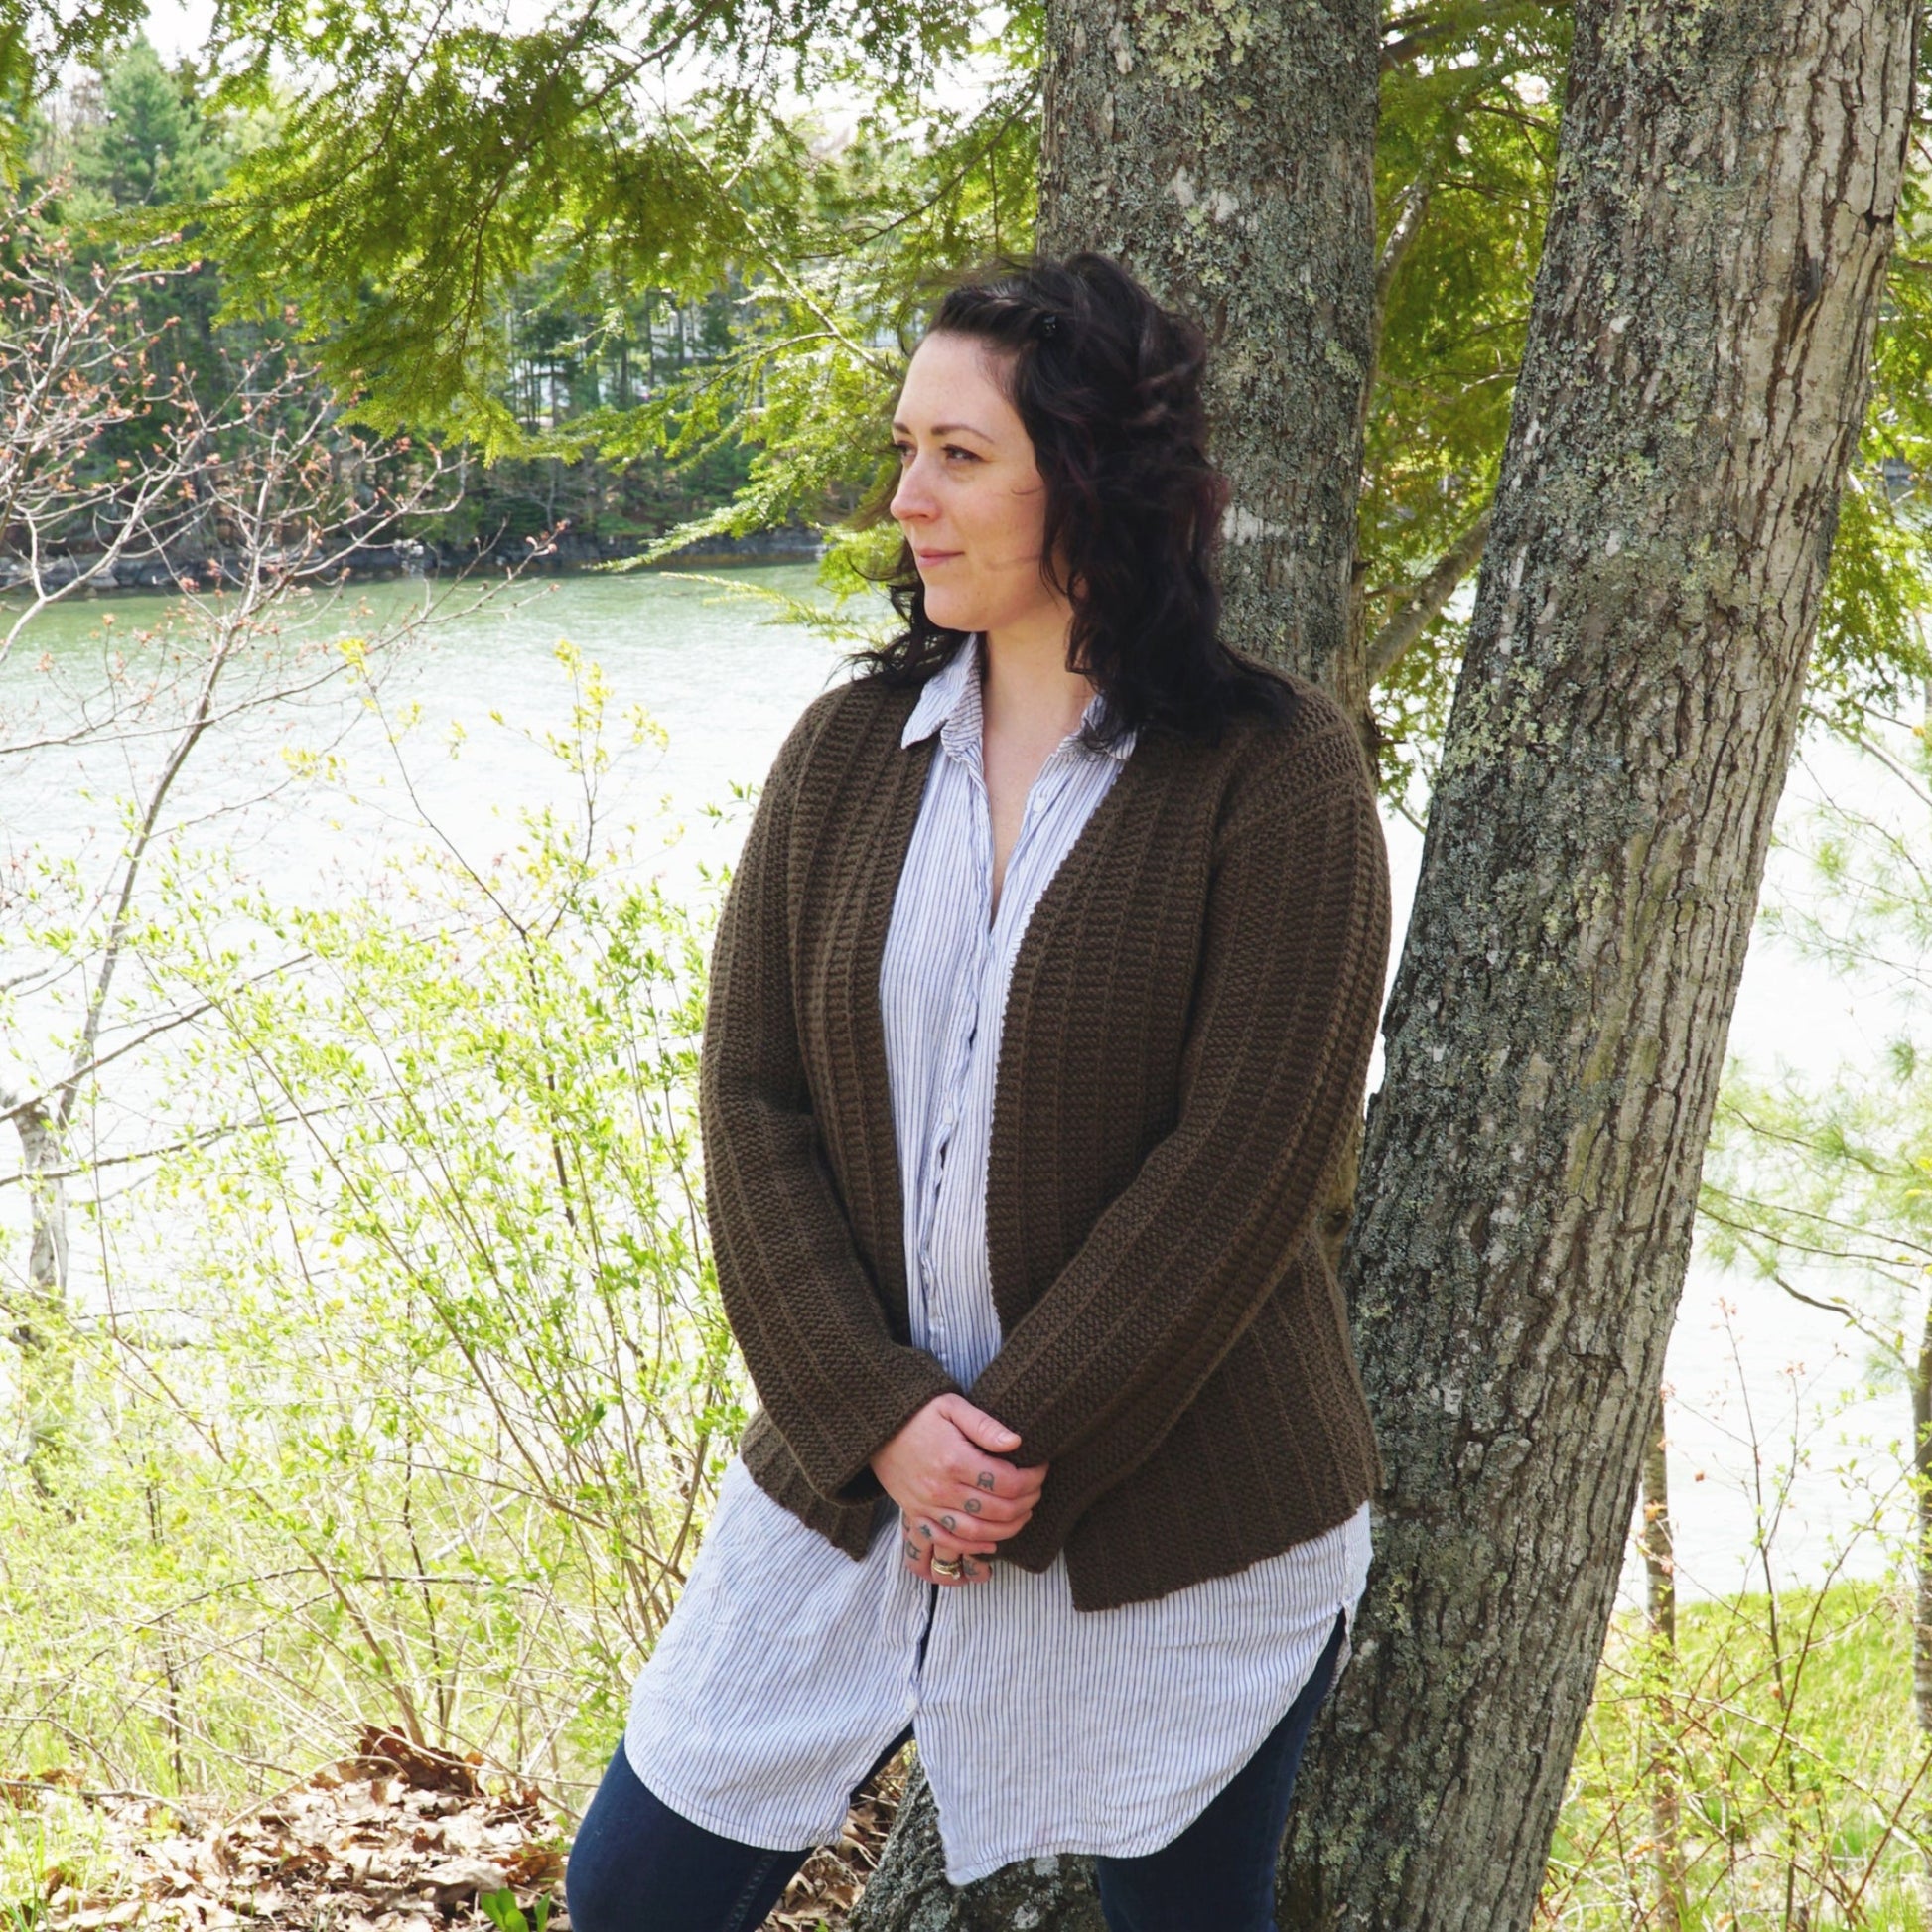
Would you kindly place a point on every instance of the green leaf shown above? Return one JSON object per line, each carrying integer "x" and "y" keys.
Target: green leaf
{"x": 503, "y": 1911}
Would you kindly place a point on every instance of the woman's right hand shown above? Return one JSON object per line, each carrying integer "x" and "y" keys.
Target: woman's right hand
{"x": 958, "y": 1496}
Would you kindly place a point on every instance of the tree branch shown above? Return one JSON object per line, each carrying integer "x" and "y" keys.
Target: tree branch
{"x": 1416, "y": 40}
{"x": 1851, "y": 1316}
{"x": 1425, "y": 603}
{"x": 1402, "y": 237}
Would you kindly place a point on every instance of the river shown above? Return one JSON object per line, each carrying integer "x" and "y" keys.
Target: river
{"x": 725, "y": 684}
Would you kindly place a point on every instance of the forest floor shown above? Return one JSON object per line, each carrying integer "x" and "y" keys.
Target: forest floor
{"x": 395, "y": 1839}
{"x": 1783, "y": 1733}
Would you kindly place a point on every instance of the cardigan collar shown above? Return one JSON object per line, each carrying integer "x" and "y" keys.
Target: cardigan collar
{"x": 949, "y": 702}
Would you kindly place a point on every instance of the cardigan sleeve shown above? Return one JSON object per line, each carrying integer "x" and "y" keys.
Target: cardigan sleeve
{"x": 799, "y": 1297}
{"x": 1288, "y": 996}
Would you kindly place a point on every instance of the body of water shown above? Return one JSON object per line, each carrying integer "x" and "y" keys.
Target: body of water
{"x": 1758, "y": 1379}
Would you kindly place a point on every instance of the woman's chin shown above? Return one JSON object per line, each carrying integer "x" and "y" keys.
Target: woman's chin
{"x": 951, "y": 612}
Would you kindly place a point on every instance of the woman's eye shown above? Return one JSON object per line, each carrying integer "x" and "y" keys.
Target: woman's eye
{"x": 905, "y": 452}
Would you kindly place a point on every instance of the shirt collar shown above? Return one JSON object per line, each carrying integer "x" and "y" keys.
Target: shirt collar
{"x": 949, "y": 702}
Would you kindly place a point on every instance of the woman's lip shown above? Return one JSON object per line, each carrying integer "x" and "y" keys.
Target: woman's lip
{"x": 934, "y": 556}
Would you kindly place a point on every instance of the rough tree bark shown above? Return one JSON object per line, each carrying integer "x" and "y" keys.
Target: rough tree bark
{"x": 1690, "y": 399}
{"x": 1691, "y": 396}
{"x": 40, "y": 1322}
{"x": 1226, "y": 157}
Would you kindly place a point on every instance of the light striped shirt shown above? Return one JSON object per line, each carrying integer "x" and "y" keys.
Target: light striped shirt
{"x": 786, "y": 1666}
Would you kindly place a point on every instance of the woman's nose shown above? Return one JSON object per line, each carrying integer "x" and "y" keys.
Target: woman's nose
{"x": 911, "y": 498}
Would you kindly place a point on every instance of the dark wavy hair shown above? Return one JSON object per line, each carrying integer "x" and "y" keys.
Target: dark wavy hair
{"x": 1108, "y": 385}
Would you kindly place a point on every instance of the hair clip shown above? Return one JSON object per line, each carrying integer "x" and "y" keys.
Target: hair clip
{"x": 1048, "y": 323}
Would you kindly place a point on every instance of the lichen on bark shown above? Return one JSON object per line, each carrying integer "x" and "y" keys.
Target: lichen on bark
{"x": 1690, "y": 399}
{"x": 1226, "y": 154}
{"x": 1691, "y": 396}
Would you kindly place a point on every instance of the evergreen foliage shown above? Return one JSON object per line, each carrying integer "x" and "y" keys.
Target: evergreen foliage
{"x": 697, "y": 239}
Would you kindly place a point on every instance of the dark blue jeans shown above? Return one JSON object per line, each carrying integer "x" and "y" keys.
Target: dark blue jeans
{"x": 638, "y": 1866}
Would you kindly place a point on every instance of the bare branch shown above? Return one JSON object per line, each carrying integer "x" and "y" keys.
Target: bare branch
{"x": 1851, "y": 1316}
{"x": 1424, "y": 27}
{"x": 1401, "y": 236}
{"x": 1425, "y": 603}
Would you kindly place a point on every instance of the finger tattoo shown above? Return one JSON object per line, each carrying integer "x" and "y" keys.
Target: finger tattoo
{"x": 949, "y": 1522}
{"x": 912, "y": 1550}
{"x": 926, "y": 1530}
{"x": 984, "y": 1479}
{"x": 972, "y": 1505}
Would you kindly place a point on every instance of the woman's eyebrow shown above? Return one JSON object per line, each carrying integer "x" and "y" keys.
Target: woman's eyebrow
{"x": 949, "y": 429}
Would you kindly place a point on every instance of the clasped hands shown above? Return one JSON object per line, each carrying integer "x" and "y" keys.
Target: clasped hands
{"x": 958, "y": 1496}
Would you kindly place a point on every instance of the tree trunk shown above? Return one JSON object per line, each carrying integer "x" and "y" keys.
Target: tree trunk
{"x": 39, "y": 1325}
{"x": 1660, "y": 1601}
{"x": 1227, "y": 158}
{"x": 1922, "y": 1617}
{"x": 1228, "y": 161}
{"x": 1690, "y": 398}
{"x": 908, "y": 1892}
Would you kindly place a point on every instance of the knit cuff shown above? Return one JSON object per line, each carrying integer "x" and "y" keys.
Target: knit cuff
{"x": 838, "y": 1461}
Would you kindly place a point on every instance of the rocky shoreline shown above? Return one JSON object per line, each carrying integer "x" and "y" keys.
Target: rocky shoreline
{"x": 387, "y": 562}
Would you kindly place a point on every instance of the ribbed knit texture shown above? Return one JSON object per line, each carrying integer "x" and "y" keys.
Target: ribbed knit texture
{"x": 787, "y": 1668}
{"x": 1187, "y": 1038}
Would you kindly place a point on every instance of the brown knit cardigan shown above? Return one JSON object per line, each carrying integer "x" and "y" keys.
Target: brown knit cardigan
{"x": 1185, "y": 1042}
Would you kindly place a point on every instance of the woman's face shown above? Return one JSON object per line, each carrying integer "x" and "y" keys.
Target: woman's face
{"x": 970, "y": 501}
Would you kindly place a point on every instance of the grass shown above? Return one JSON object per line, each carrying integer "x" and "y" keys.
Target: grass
{"x": 51, "y": 1841}
{"x": 1767, "y": 1771}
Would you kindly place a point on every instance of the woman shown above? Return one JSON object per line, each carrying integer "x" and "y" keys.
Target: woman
{"x": 1041, "y": 1003}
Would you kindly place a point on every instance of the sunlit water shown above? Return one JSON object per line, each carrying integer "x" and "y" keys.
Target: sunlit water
{"x": 726, "y": 685}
